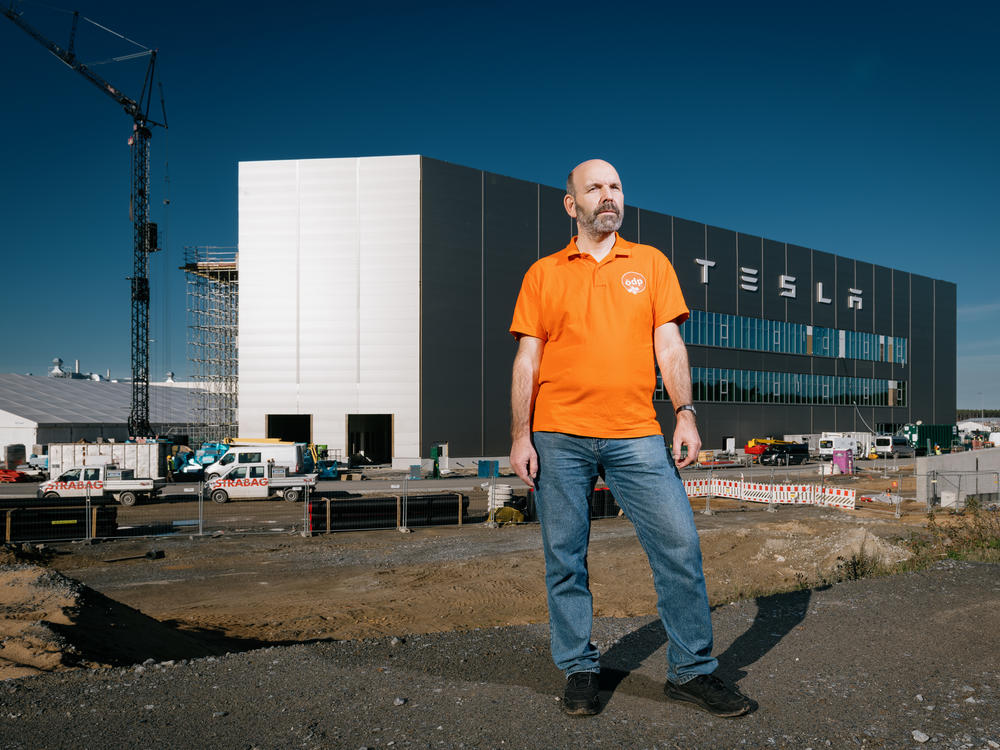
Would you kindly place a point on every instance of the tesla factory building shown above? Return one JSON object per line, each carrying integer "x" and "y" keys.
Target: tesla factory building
{"x": 376, "y": 295}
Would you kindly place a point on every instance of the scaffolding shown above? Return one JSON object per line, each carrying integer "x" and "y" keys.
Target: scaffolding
{"x": 212, "y": 306}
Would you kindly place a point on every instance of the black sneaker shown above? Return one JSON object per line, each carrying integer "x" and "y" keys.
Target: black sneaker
{"x": 580, "y": 696}
{"x": 712, "y": 694}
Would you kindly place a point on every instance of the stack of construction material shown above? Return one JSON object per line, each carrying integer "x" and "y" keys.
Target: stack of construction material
{"x": 498, "y": 495}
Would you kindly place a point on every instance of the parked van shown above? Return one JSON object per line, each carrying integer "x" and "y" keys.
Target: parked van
{"x": 862, "y": 439}
{"x": 289, "y": 455}
{"x": 785, "y": 454}
{"x": 828, "y": 445}
{"x": 893, "y": 446}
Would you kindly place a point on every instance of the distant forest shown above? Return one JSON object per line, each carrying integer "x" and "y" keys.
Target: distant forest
{"x": 963, "y": 414}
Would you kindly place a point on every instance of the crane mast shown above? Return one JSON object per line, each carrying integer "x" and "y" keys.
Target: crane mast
{"x": 144, "y": 234}
{"x": 143, "y": 243}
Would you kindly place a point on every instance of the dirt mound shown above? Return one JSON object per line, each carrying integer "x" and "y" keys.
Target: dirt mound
{"x": 202, "y": 596}
{"x": 52, "y": 622}
{"x": 802, "y": 547}
{"x": 747, "y": 561}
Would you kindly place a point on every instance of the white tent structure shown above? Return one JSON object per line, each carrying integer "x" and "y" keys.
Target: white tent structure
{"x": 36, "y": 410}
{"x": 973, "y": 426}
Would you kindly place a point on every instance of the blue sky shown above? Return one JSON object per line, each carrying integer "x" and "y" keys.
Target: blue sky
{"x": 863, "y": 129}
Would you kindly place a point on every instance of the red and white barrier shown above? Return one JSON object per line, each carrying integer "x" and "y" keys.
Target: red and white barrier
{"x": 698, "y": 487}
{"x": 757, "y": 493}
{"x": 786, "y": 494}
{"x": 727, "y": 488}
{"x": 836, "y": 497}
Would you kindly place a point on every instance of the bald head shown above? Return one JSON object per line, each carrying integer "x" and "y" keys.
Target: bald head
{"x": 585, "y": 168}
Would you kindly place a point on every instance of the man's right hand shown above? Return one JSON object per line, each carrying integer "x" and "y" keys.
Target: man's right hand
{"x": 523, "y": 384}
{"x": 524, "y": 460}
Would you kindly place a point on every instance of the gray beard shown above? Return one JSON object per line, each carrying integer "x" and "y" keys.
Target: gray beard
{"x": 600, "y": 224}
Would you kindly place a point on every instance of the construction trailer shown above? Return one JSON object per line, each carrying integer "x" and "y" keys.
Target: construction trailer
{"x": 147, "y": 460}
{"x": 811, "y": 439}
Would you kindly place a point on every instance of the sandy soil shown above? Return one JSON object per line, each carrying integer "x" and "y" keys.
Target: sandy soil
{"x": 204, "y": 596}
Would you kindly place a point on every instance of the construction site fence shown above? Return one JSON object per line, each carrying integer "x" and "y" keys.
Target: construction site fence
{"x": 954, "y": 489}
{"x": 190, "y": 511}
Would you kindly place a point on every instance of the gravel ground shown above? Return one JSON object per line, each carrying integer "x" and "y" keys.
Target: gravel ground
{"x": 901, "y": 662}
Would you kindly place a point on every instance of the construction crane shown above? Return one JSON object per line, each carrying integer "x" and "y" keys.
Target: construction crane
{"x": 144, "y": 232}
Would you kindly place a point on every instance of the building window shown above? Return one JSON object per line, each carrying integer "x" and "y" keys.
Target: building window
{"x": 755, "y": 387}
{"x": 756, "y": 334}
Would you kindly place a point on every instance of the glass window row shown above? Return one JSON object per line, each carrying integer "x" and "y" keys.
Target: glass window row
{"x": 757, "y": 334}
{"x": 721, "y": 385}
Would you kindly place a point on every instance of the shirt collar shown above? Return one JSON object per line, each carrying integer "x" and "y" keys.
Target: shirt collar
{"x": 621, "y": 249}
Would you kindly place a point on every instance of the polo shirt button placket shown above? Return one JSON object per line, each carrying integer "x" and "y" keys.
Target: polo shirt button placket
{"x": 600, "y": 274}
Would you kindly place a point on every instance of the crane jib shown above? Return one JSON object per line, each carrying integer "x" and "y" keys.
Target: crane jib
{"x": 144, "y": 231}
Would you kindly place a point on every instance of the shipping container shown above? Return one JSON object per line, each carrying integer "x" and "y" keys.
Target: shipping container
{"x": 923, "y": 437}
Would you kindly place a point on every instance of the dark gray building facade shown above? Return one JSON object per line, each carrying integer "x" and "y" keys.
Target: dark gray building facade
{"x": 782, "y": 339}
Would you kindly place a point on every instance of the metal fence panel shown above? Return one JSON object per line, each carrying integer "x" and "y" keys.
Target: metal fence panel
{"x": 328, "y": 514}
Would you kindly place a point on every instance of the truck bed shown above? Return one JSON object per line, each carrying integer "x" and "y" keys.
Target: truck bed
{"x": 295, "y": 480}
{"x": 132, "y": 485}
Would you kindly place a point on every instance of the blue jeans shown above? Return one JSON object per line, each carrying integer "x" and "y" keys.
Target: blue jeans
{"x": 646, "y": 485}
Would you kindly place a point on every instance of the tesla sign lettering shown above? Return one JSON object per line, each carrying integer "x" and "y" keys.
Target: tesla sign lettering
{"x": 750, "y": 281}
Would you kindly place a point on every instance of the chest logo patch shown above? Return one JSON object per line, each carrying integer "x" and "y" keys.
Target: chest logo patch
{"x": 634, "y": 282}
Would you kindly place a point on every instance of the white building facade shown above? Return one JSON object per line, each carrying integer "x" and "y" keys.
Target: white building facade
{"x": 329, "y": 338}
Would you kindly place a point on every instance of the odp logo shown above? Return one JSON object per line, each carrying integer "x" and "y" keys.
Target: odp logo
{"x": 634, "y": 282}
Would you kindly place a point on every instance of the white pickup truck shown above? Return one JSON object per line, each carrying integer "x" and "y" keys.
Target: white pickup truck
{"x": 81, "y": 481}
{"x": 258, "y": 481}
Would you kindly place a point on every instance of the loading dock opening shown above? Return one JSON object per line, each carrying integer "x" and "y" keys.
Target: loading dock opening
{"x": 370, "y": 434}
{"x": 295, "y": 428}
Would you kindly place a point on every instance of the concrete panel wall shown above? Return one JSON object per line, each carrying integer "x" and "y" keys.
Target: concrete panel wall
{"x": 951, "y": 478}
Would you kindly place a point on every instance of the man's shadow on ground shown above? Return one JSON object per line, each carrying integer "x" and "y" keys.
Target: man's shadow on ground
{"x": 777, "y": 615}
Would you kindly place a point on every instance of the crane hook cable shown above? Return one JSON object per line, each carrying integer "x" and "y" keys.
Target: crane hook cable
{"x": 122, "y": 58}
{"x": 92, "y": 21}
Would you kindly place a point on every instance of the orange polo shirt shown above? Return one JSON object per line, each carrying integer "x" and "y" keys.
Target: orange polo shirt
{"x": 597, "y": 371}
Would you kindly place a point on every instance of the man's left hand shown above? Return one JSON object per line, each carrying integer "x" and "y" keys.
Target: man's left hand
{"x": 686, "y": 433}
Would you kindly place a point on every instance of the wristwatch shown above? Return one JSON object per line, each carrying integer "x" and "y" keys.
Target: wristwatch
{"x": 686, "y": 407}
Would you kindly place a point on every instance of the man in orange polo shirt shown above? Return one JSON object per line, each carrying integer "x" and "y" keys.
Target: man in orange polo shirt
{"x": 592, "y": 321}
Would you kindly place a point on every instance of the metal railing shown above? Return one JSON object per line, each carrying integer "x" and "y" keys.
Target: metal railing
{"x": 190, "y": 511}
{"x": 952, "y": 489}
